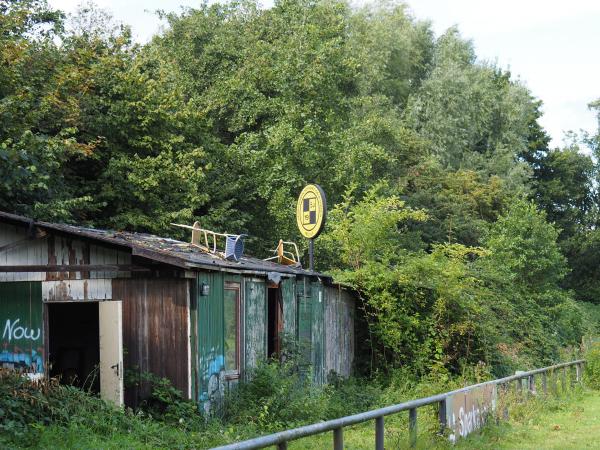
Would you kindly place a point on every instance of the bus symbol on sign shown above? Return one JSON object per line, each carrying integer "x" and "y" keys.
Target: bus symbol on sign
{"x": 311, "y": 211}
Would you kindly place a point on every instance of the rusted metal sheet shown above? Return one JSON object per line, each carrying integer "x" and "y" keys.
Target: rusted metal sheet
{"x": 468, "y": 410}
{"x": 288, "y": 295}
{"x": 155, "y": 331}
{"x": 255, "y": 307}
{"x": 77, "y": 290}
{"x": 65, "y": 252}
{"x": 339, "y": 331}
{"x": 75, "y": 252}
{"x": 21, "y": 326}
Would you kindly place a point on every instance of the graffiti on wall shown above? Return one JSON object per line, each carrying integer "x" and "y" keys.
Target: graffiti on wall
{"x": 21, "y": 334}
{"x": 21, "y": 347}
{"x": 213, "y": 388}
{"x": 469, "y": 410}
{"x": 13, "y": 331}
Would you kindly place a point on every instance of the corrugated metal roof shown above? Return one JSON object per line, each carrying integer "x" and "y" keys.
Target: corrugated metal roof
{"x": 166, "y": 250}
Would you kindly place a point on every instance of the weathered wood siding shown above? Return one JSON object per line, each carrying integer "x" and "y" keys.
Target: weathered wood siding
{"x": 339, "y": 331}
{"x": 77, "y": 290}
{"x": 255, "y": 333}
{"x": 55, "y": 249}
{"x": 30, "y": 252}
{"x": 155, "y": 331}
{"x": 290, "y": 308}
{"x": 21, "y": 327}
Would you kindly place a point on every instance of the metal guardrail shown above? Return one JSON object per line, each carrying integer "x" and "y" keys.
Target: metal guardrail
{"x": 282, "y": 438}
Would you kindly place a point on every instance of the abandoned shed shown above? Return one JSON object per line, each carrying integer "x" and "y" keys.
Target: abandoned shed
{"x": 90, "y": 305}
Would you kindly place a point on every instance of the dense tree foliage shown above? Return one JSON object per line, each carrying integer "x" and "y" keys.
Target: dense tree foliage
{"x": 466, "y": 235}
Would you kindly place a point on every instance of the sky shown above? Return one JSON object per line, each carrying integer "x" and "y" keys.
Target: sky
{"x": 550, "y": 46}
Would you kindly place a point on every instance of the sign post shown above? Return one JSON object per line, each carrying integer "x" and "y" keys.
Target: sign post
{"x": 311, "y": 213}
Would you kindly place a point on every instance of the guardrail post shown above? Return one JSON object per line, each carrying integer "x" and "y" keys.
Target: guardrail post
{"x": 412, "y": 426}
{"x": 282, "y": 446}
{"x": 379, "y": 433}
{"x": 442, "y": 416}
{"x": 338, "y": 439}
{"x": 578, "y": 369}
{"x": 564, "y": 380}
{"x": 545, "y": 383}
{"x": 505, "y": 394}
{"x": 531, "y": 382}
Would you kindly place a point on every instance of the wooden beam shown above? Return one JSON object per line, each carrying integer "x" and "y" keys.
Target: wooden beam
{"x": 74, "y": 268}
{"x": 159, "y": 257}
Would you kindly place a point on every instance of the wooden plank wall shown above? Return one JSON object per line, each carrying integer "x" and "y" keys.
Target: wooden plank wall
{"x": 290, "y": 308}
{"x": 60, "y": 250}
{"x": 155, "y": 331}
{"x": 339, "y": 331}
{"x": 255, "y": 334}
{"x": 33, "y": 252}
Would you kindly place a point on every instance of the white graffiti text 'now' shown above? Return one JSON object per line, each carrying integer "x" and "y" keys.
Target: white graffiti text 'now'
{"x": 12, "y": 331}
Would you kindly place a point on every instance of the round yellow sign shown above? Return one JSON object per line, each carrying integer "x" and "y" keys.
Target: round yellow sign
{"x": 311, "y": 211}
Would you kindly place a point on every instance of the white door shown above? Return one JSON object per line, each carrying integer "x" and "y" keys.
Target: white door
{"x": 111, "y": 351}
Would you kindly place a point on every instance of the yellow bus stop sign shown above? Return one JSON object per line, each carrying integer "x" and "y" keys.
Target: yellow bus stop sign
{"x": 311, "y": 211}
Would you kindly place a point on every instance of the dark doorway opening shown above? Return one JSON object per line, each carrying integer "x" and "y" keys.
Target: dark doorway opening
{"x": 275, "y": 322}
{"x": 74, "y": 344}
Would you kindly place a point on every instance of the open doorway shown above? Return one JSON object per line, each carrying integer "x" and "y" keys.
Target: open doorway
{"x": 74, "y": 344}
{"x": 275, "y": 322}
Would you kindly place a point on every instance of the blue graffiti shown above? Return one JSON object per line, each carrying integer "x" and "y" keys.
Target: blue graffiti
{"x": 213, "y": 369}
{"x": 18, "y": 359}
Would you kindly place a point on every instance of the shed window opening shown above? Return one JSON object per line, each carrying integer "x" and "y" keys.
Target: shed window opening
{"x": 231, "y": 312}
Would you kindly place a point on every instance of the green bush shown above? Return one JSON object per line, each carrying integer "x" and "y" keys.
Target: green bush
{"x": 27, "y": 405}
{"x": 592, "y": 366}
{"x": 165, "y": 402}
{"x": 45, "y": 414}
{"x": 280, "y": 395}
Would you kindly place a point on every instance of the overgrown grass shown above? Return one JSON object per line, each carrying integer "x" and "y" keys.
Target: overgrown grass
{"x": 556, "y": 422}
{"x": 48, "y": 415}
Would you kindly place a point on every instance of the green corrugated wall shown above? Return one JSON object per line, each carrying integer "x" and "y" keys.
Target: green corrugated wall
{"x": 304, "y": 311}
{"x": 317, "y": 297}
{"x": 288, "y": 295}
{"x": 21, "y": 326}
{"x": 210, "y": 336}
{"x": 303, "y": 316}
{"x": 311, "y": 326}
{"x": 255, "y": 307}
